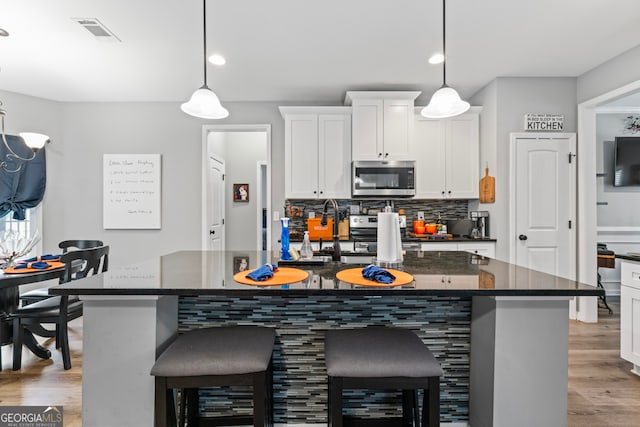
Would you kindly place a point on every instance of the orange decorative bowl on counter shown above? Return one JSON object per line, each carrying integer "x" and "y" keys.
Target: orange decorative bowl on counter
{"x": 419, "y": 230}
{"x": 430, "y": 228}
{"x": 417, "y": 224}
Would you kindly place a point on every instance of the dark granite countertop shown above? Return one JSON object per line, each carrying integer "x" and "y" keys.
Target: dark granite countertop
{"x": 629, "y": 257}
{"x": 436, "y": 273}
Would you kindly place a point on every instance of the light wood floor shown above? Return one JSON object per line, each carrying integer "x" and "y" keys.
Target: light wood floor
{"x": 602, "y": 391}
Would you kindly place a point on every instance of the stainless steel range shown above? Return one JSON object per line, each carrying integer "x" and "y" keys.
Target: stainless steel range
{"x": 363, "y": 230}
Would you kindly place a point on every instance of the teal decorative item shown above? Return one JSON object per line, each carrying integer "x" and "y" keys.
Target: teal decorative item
{"x": 284, "y": 239}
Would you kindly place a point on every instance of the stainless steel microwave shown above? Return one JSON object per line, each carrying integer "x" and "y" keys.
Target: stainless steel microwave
{"x": 383, "y": 178}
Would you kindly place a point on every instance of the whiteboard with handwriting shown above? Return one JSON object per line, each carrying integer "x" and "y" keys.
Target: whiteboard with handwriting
{"x": 131, "y": 191}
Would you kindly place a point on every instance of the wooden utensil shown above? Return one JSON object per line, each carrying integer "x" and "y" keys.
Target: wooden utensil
{"x": 487, "y": 188}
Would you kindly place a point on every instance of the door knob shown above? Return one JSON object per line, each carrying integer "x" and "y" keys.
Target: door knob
{"x": 212, "y": 232}
{"x": 522, "y": 237}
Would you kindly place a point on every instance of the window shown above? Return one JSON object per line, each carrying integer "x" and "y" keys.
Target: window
{"x": 31, "y": 223}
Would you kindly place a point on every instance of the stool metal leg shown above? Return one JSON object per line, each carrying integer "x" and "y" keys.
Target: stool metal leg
{"x": 335, "y": 402}
{"x": 407, "y": 407}
{"x": 431, "y": 404}
{"x": 160, "y": 408}
{"x": 259, "y": 399}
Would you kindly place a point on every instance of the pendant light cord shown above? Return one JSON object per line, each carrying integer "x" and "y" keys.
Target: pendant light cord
{"x": 444, "y": 47}
{"x": 204, "y": 32}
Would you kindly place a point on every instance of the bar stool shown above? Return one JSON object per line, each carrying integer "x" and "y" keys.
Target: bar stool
{"x": 213, "y": 357}
{"x": 383, "y": 358}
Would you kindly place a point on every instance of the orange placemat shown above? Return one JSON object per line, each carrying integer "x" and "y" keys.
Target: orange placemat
{"x": 354, "y": 276}
{"x": 282, "y": 276}
{"x": 52, "y": 266}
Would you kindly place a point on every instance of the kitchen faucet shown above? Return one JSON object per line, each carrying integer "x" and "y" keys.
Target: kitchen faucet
{"x": 336, "y": 221}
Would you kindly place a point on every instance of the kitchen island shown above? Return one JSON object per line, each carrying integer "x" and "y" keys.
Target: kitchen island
{"x": 499, "y": 331}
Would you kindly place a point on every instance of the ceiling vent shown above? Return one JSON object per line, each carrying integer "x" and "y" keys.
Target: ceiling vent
{"x": 97, "y": 29}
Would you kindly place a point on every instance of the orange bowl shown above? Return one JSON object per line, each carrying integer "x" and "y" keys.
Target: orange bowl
{"x": 419, "y": 230}
{"x": 417, "y": 224}
{"x": 430, "y": 228}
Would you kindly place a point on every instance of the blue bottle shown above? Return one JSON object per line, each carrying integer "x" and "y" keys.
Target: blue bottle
{"x": 284, "y": 239}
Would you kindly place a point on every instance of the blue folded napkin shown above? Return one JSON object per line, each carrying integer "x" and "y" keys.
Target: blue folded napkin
{"x": 40, "y": 265}
{"x": 263, "y": 273}
{"x": 380, "y": 275}
{"x": 47, "y": 257}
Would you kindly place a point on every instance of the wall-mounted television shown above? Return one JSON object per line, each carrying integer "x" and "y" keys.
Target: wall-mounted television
{"x": 627, "y": 161}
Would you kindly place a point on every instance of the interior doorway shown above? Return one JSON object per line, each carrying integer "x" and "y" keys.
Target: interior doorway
{"x": 247, "y": 187}
{"x": 587, "y": 208}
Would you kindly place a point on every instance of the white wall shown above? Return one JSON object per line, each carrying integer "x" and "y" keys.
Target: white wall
{"x": 613, "y": 74}
{"x": 509, "y": 99}
{"x": 92, "y": 129}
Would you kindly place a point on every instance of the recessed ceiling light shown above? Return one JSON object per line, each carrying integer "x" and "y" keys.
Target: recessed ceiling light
{"x": 4, "y": 33}
{"x": 217, "y": 59}
{"x": 436, "y": 58}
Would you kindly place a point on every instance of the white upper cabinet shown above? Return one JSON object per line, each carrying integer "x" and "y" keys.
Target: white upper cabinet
{"x": 447, "y": 162}
{"x": 382, "y": 125}
{"x": 317, "y": 152}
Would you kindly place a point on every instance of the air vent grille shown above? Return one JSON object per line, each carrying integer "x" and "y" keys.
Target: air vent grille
{"x": 97, "y": 29}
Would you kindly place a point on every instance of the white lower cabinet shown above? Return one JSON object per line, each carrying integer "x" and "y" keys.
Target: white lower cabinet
{"x": 487, "y": 249}
{"x": 630, "y": 314}
{"x": 436, "y": 281}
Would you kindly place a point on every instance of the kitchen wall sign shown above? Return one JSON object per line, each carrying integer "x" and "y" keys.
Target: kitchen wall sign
{"x": 131, "y": 191}
{"x": 542, "y": 122}
{"x": 240, "y": 192}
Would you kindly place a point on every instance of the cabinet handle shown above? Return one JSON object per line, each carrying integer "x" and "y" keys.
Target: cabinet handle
{"x": 379, "y": 154}
{"x": 315, "y": 192}
{"x": 442, "y": 279}
{"x": 449, "y": 191}
{"x": 449, "y": 281}
{"x": 322, "y": 192}
{"x": 386, "y": 154}
{"x": 443, "y": 192}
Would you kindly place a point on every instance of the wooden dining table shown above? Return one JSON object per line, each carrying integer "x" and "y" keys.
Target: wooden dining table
{"x": 10, "y": 300}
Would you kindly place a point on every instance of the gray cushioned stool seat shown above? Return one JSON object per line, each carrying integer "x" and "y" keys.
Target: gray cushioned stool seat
{"x": 217, "y": 351}
{"x": 215, "y": 357}
{"x": 385, "y": 359}
{"x": 378, "y": 352}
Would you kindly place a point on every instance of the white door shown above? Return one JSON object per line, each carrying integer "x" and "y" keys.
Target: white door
{"x": 545, "y": 202}
{"x": 215, "y": 203}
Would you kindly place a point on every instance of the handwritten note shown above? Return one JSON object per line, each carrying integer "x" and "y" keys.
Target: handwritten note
{"x": 131, "y": 191}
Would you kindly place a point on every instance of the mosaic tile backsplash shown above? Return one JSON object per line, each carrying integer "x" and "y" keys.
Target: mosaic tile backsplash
{"x": 448, "y": 209}
{"x": 300, "y": 378}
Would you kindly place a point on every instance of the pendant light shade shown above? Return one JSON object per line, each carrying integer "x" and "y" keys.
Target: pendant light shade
{"x": 204, "y": 103}
{"x": 445, "y": 102}
{"x": 33, "y": 140}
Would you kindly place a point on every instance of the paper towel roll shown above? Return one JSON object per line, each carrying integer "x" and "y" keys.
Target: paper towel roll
{"x": 389, "y": 239}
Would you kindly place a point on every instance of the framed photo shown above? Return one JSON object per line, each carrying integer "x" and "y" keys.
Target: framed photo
{"x": 240, "y": 192}
{"x": 240, "y": 263}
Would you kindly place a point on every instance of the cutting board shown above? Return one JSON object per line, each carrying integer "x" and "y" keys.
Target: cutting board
{"x": 487, "y": 188}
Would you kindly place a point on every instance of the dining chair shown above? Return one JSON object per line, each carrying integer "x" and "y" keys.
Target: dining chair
{"x": 40, "y": 294}
{"x": 58, "y": 310}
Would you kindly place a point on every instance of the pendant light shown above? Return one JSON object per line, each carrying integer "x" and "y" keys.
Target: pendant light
{"x": 445, "y": 102}
{"x": 204, "y": 103}
{"x": 33, "y": 141}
